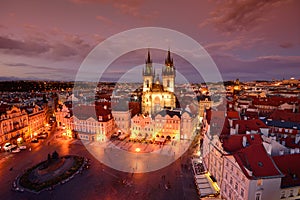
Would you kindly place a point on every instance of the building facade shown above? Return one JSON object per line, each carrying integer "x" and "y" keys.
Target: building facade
{"x": 157, "y": 96}
{"x": 13, "y": 124}
{"x": 37, "y": 119}
{"x": 21, "y": 123}
{"x": 94, "y": 123}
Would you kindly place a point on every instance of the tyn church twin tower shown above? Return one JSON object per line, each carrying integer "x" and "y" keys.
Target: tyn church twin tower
{"x": 157, "y": 96}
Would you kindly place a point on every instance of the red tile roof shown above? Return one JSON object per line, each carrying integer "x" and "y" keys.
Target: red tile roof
{"x": 255, "y": 159}
{"x": 218, "y": 122}
{"x": 285, "y": 115}
{"x": 84, "y": 112}
{"x": 249, "y": 125}
{"x": 233, "y": 115}
{"x": 275, "y": 101}
{"x": 252, "y": 114}
{"x": 289, "y": 165}
{"x": 135, "y": 108}
{"x": 234, "y": 143}
{"x": 290, "y": 142}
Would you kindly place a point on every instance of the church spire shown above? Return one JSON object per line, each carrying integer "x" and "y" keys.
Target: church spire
{"x": 148, "y": 68}
{"x": 148, "y": 58}
{"x": 169, "y": 60}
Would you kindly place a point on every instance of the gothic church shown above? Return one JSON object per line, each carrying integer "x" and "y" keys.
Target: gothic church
{"x": 156, "y": 95}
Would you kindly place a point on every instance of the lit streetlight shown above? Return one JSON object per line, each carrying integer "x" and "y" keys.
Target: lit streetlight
{"x": 137, "y": 150}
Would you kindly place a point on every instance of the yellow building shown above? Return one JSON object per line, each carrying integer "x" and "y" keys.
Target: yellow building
{"x": 157, "y": 96}
{"x": 13, "y": 124}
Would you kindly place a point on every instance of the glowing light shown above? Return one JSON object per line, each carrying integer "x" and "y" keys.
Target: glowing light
{"x": 137, "y": 150}
{"x": 19, "y": 140}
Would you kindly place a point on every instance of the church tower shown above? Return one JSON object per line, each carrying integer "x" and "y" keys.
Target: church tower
{"x": 148, "y": 74}
{"x": 168, "y": 74}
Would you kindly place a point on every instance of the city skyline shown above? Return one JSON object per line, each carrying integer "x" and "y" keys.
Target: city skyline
{"x": 249, "y": 40}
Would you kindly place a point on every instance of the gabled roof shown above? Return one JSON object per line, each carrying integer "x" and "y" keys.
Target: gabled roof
{"x": 275, "y": 101}
{"x": 234, "y": 143}
{"x": 84, "y": 112}
{"x": 249, "y": 125}
{"x": 157, "y": 88}
{"x": 289, "y": 165}
{"x": 203, "y": 98}
{"x": 256, "y": 163}
{"x": 171, "y": 113}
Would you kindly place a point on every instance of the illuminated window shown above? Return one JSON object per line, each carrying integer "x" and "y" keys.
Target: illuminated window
{"x": 259, "y": 182}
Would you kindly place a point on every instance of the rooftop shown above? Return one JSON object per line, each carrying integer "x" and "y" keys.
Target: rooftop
{"x": 234, "y": 143}
{"x": 290, "y": 167}
{"x": 256, "y": 163}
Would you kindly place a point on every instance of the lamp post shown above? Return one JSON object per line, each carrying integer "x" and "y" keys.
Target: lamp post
{"x": 137, "y": 150}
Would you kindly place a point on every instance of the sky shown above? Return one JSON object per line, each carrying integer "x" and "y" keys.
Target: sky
{"x": 247, "y": 39}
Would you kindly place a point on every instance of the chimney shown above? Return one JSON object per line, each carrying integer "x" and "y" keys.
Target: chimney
{"x": 244, "y": 141}
{"x": 292, "y": 151}
{"x": 297, "y": 139}
{"x": 230, "y": 122}
{"x": 281, "y": 152}
{"x": 294, "y": 107}
{"x": 237, "y": 128}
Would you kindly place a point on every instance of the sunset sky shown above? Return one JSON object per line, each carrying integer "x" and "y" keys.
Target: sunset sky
{"x": 249, "y": 39}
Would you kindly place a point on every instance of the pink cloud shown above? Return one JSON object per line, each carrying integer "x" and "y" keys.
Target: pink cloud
{"x": 237, "y": 43}
{"x": 279, "y": 58}
{"x": 104, "y": 20}
{"x": 89, "y": 1}
{"x": 231, "y": 16}
{"x": 286, "y": 45}
{"x": 127, "y": 7}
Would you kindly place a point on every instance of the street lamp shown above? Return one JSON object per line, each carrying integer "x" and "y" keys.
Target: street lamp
{"x": 137, "y": 150}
